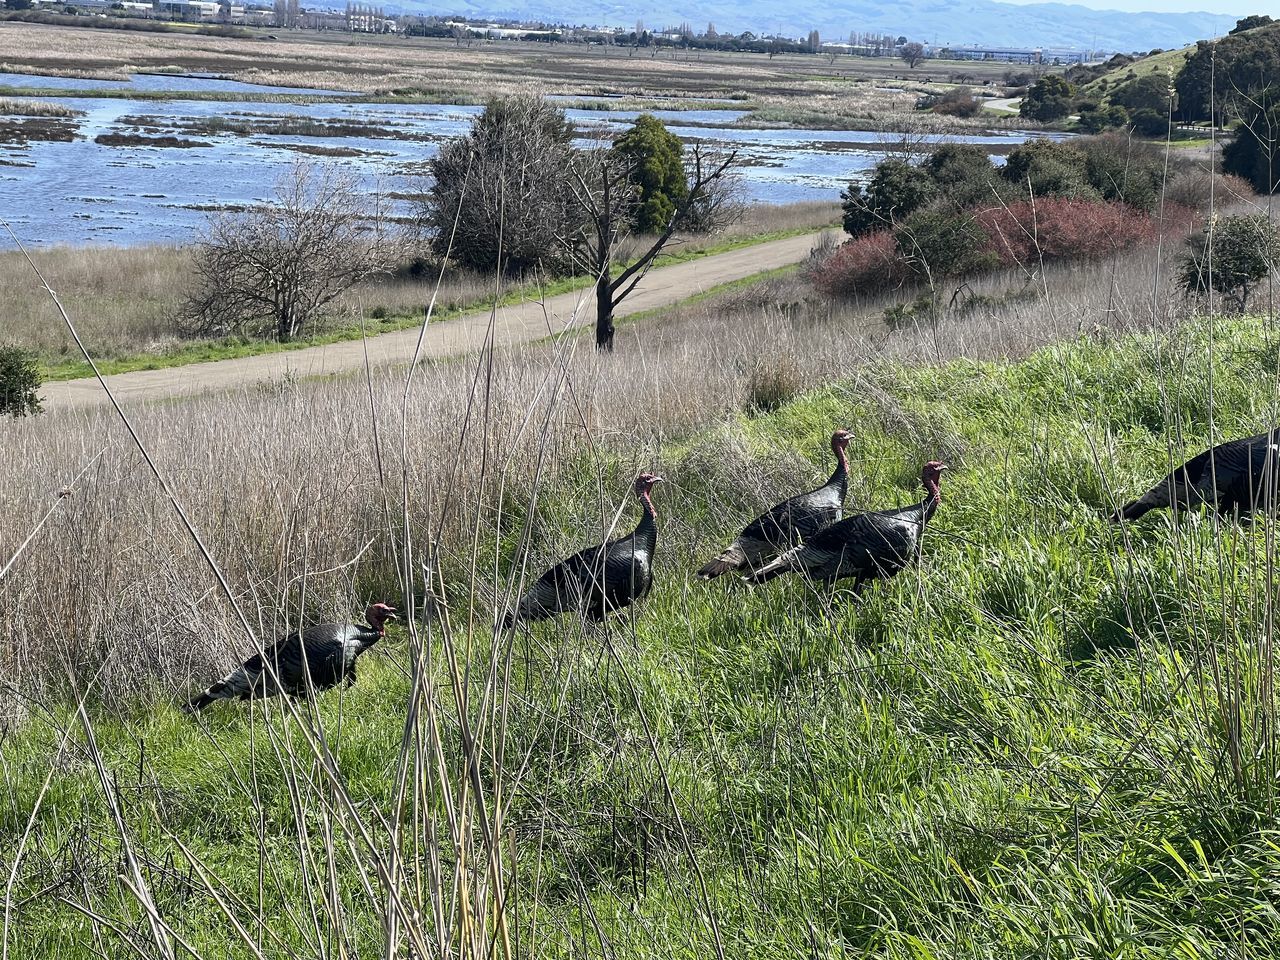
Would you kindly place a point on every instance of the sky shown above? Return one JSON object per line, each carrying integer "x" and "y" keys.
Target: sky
{"x": 1238, "y": 7}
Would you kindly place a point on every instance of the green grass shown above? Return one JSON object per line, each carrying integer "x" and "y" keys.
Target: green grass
{"x": 1015, "y": 749}
{"x": 206, "y": 351}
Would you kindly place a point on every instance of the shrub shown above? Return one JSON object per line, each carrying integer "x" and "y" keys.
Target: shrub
{"x": 1150, "y": 92}
{"x": 1150, "y": 123}
{"x": 19, "y": 382}
{"x": 1198, "y": 189}
{"x": 1103, "y": 118}
{"x": 963, "y": 174}
{"x": 1050, "y": 99}
{"x": 1118, "y": 167}
{"x": 505, "y": 184}
{"x": 1231, "y": 255}
{"x": 896, "y": 190}
{"x": 866, "y": 264}
{"x": 1047, "y": 168}
{"x": 1061, "y": 228}
{"x": 935, "y": 244}
{"x": 956, "y": 102}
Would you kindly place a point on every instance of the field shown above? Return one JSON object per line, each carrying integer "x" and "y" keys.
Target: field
{"x": 1050, "y": 738}
{"x": 128, "y": 300}
{"x": 803, "y": 90}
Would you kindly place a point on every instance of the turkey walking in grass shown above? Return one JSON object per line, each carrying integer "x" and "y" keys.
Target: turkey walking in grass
{"x": 865, "y": 546}
{"x": 599, "y": 580}
{"x": 790, "y": 522}
{"x": 1235, "y": 478}
{"x": 322, "y": 656}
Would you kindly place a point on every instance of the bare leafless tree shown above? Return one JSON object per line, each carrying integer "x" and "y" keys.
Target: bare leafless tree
{"x": 272, "y": 270}
{"x": 603, "y": 187}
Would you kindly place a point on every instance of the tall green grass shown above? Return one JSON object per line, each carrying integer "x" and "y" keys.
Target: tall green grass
{"x": 1052, "y": 738}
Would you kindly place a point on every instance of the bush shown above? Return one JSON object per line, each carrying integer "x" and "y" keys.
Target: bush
{"x": 1061, "y": 228}
{"x": 1231, "y": 255}
{"x": 956, "y": 102}
{"x": 1118, "y": 167}
{"x": 1103, "y": 118}
{"x": 1050, "y": 99}
{"x": 19, "y": 382}
{"x": 896, "y": 190}
{"x": 506, "y": 186}
{"x": 1048, "y": 168}
{"x": 1150, "y": 123}
{"x": 963, "y": 174}
{"x": 936, "y": 244}
{"x": 867, "y": 264}
{"x": 1149, "y": 92}
{"x": 1198, "y": 189}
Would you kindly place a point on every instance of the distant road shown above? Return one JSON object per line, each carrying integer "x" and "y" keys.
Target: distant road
{"x": 519, "y": 323}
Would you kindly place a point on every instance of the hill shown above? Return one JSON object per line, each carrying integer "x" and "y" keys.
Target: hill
{"x": 1053, "y": 731}
{"x": 986, "y": 22}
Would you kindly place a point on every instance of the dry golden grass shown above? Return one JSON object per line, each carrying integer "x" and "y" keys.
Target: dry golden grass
{"x": 128, "y": 299}
{"x": 284, "y": 481}
{"x": 851, "y": 87}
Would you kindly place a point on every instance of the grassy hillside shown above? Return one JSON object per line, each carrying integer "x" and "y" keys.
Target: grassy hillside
{"x": 1166, "y": 63}
{"x": 1054, "y": 738}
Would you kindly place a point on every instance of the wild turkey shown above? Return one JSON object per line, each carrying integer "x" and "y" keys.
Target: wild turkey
{"x": 599, "y": 580}
{"x": 327, "y": 652}
{"x": 1236, "y": 477}
{"x": 790, "y": 522}
{"x": 866, "y": 546}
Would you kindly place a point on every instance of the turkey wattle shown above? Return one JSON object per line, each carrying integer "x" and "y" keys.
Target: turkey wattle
{"x": 790, "y": 522}
{"x": 599, "y": 580}
{"x": 866, "y": 546}
{"x": 326, "y": 653}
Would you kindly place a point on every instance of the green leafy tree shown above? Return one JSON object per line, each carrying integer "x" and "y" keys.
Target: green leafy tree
{"x": 1251, "y": 23}
{"x": 1150, "y": 92}
{"x": 1050, "y": 99}
{"x": 19, "y": 382}
{"x": 654, "y": 158}
{"x": 1254, "y": 152}
{"x": 1231, "y": 76}
{"x": 938, "y": 244}
{"x": 1232, "y": 255}
{"x": 896, "y": 190}
{"x": 1103, "y": 118}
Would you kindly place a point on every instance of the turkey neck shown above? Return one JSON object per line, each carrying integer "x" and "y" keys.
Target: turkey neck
{"x": 932, "y": 498}
{"x": 647, "y": 530}
{"x": 841, "y": 476}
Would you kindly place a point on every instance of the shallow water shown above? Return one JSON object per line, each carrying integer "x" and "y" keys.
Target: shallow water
{"x": 83, "y": 192}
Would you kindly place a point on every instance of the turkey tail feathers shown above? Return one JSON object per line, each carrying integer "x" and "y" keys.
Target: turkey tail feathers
{"x": 233, "y": 685}
{"x": 733, "y": 558}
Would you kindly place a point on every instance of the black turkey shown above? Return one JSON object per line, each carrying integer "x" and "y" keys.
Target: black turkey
{"x": 866, "y": 546}
{"x": 1236, "y": 477}
{"x": 326, "y": 652}
{"x": 790, "y": 522}
{"x": 599, "y": 580}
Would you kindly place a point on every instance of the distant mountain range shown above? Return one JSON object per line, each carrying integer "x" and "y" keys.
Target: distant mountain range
{"x": 981, "y": 22}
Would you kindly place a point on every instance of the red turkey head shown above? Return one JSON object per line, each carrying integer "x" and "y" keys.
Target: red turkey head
{"x": 378, "y": 614}
{"x": 840, "y": 440}
{"x": 645, "y": 482}
{"x": 931, "y": 472}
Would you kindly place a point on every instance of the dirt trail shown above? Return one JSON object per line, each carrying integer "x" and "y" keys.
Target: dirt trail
{"x": 518, "y": 323}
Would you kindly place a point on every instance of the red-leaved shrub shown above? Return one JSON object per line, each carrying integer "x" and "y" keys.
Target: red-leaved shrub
{"x": 1061, "y": 228}
{"x": 867, "y": 264}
